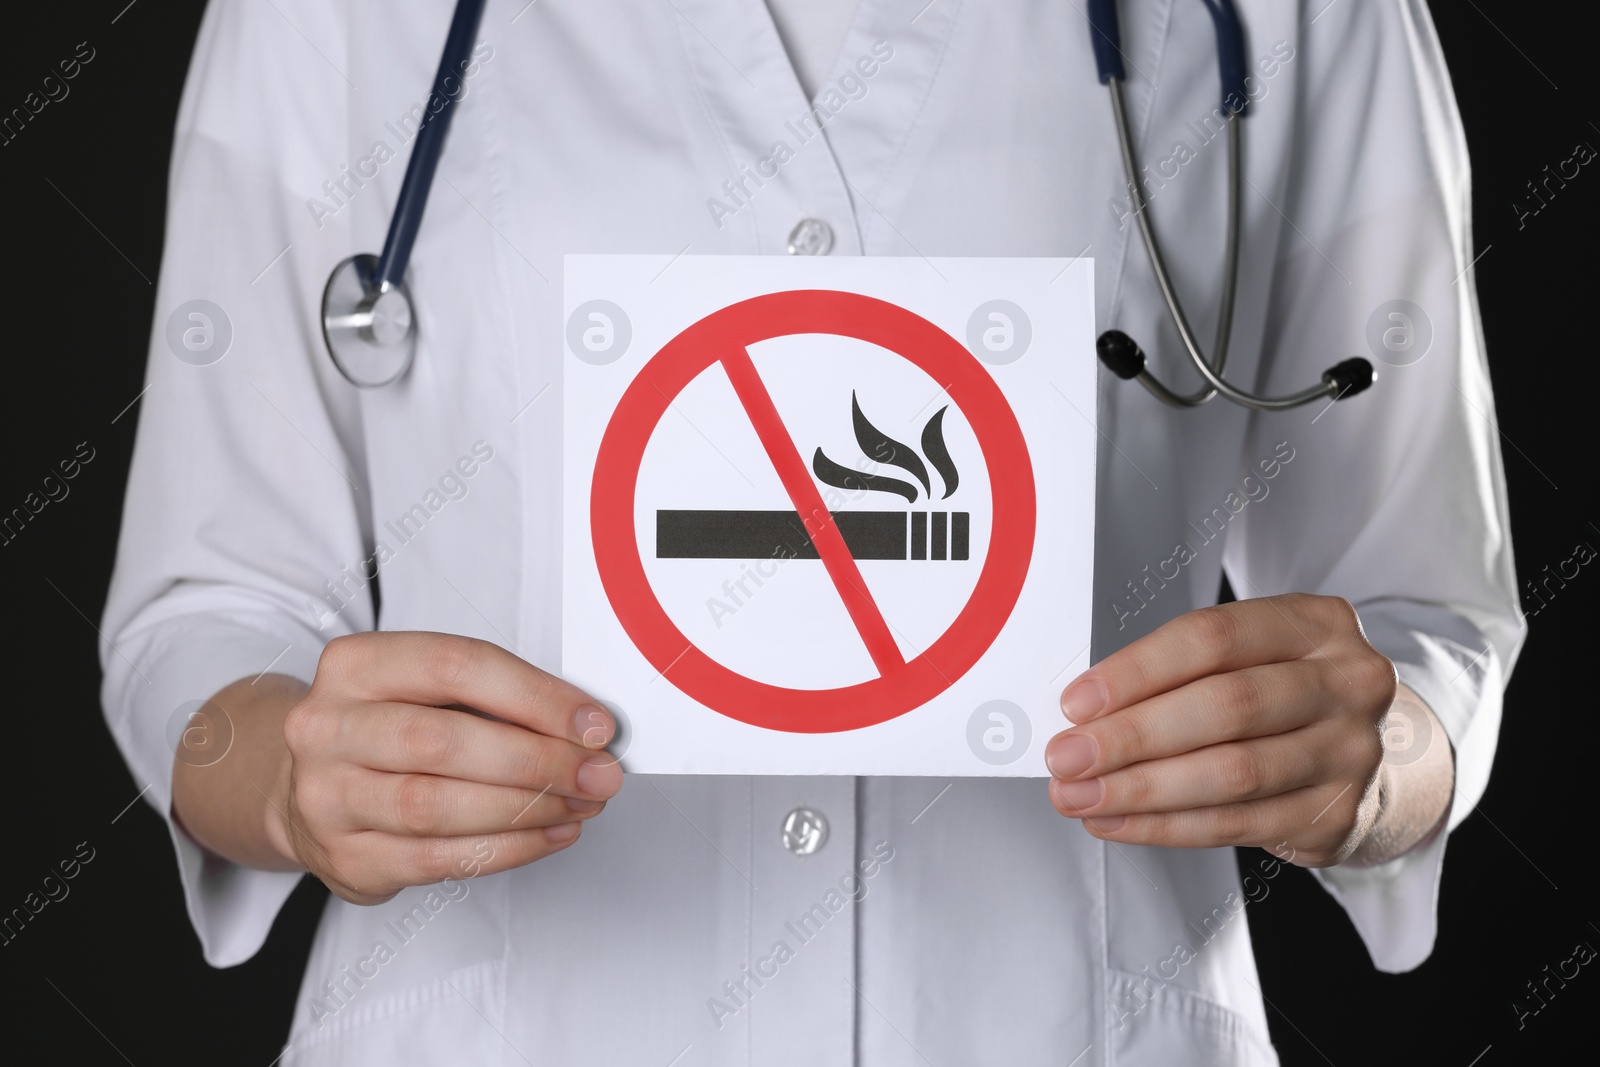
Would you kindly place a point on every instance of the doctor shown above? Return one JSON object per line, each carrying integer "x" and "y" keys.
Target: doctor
{"x": 363, "y": 585}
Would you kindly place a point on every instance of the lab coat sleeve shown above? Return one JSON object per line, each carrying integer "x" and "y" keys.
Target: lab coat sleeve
{"x": 1394, "y": 499}
{"x": 242, "y": 499}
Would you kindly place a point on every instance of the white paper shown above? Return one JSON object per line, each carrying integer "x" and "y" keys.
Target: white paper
{"x": 722, "y": 645}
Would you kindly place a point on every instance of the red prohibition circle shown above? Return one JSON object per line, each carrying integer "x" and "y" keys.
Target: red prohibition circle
{"x": 724, "y": 334}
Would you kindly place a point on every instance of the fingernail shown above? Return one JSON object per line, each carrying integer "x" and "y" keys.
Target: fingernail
{"x": 1078, "y": 796}
{"x": 1084, "y": 699}
{"x": 1070, "y": 754}
{"x": 592, "y": 726}
{"x": 600, "y": 776}
{"x": 562, "y": 832}
{"x": 1110, "y": 824}
{"x": 584, "y": 807}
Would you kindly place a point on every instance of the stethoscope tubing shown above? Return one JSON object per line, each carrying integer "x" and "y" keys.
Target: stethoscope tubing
{"x": 1158, "y": 263}
{"x": 425, "y": 154}
{"x": 1210, "y": 371}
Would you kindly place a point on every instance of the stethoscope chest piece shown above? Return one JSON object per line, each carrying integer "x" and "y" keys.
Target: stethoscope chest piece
{"x": 370, "y": 330}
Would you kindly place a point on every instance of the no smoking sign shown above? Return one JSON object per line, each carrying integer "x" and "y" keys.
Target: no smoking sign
{"x": 828, "y": 516}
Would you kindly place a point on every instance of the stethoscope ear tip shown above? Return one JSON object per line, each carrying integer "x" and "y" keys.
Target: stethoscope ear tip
{"x": 1121, "y": 354}
{"x": 1350, "y": 377}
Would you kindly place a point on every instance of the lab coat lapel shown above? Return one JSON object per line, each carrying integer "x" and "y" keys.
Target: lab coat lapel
{"x": 880, "y": 139}
{"x": 771, "y": 177}
{"x": 788, "y": 158}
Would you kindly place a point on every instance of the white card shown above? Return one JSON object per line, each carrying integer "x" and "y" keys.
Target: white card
{"x": 828, "y": 515}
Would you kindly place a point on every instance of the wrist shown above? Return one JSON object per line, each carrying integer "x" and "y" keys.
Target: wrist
{"x": 1415, "y": 783}
{"x": 1378, "y": 844}
{"x": 235, "y": 805}
{"x": 275, "y": 814}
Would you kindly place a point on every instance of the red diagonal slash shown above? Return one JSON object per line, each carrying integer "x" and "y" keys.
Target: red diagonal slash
{"x": 824, "y": 533}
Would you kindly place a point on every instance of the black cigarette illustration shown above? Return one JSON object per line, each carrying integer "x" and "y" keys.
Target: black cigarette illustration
{"x": 887, "y": 535}
{"x": 781, "y": 534}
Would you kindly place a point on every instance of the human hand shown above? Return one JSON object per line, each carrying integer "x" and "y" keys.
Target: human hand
{"x": 1252, "y": 723}
{"x": 387, "y": 785}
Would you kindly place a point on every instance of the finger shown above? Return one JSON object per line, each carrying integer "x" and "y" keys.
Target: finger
{"x": 1255, "y": 702}
{"x": 1219, "y": 774}
{"x": 426, "y": 805}
{"x": 1316, "y": 818}
{"x": 393, "y": 860}
{"x": 408, "y": 739}
{"x": 445, "y": 669}
{"x": 1212, "y": 640}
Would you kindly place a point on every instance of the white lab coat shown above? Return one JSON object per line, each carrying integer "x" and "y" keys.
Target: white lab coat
{"x": 997, "y": 931}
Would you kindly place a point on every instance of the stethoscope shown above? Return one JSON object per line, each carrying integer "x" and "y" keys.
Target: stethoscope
{"x": 367, "y": 319}
{"x": 1119, "y": 352}
{"x": 371, "y": 331}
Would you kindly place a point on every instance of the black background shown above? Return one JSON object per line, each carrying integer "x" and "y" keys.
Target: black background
{"x": 113, "y": 972}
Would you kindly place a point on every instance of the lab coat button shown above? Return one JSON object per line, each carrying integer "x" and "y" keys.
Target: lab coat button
{"x": 804, "y": 831}
{"x": 810, "y": 237}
